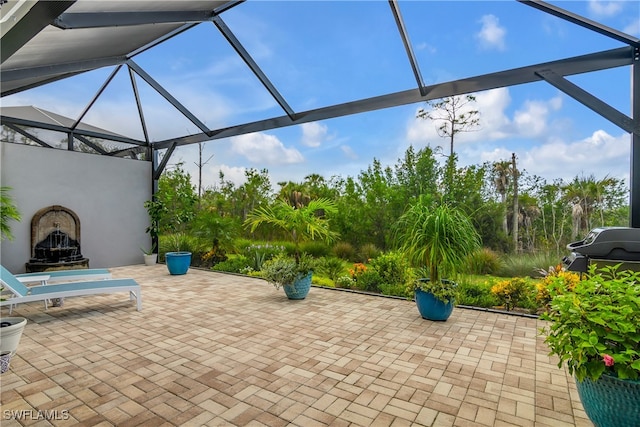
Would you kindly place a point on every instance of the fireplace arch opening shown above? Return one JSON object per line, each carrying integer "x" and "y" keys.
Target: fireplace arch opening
{"x": 55, "y": 240}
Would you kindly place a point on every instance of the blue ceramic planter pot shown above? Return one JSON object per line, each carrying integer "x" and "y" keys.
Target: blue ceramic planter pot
{"x": 300, "y": 288}
{"x": 610, "y": 401}
{"x": 431, "y": 308}
{"x": 178, "y": 262}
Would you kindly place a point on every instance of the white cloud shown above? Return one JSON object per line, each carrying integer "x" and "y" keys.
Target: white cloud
{"x": 602, "y": 8}
{"x": 235, "y": 174}
{"x": 600, "y": 154}
{"x": 532, "y": 121}
{"x": 426, "y": 47}
{"x": 633, "y": 27}
{"x": 313, "y": 134}
{"x": 491, "y": 35}
{"x": 264, "y": 149}
{"x": 348, "y": 151}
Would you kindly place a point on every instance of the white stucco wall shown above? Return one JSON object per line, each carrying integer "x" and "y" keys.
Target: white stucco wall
{"x": 106, "y": 193}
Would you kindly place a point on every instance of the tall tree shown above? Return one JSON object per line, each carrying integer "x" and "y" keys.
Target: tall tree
{"x": 502, "y": 179}
{"x": 200, "y": 164}
{"x": 452, "y": 116}
{"x": 514, "y": 176}
{"x": 178, "y": 195}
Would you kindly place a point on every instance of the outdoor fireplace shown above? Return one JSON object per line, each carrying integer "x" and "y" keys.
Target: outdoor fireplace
{"x": 55, "y": 240}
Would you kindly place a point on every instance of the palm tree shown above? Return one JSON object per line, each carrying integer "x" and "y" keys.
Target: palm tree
{"x": 299, "y": 223}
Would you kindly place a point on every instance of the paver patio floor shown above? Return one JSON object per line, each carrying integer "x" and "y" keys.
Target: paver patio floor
{"x": 214, "y": 349}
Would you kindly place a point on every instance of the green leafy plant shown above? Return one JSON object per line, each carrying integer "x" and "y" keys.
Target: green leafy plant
{"x": 444, "y": 290}
{"x": 257, "y": 254}
{"x": 345, "y": 282}
{"x": 393, "y": 268}
{"x": 439, "y": 238}
{"x": 150, "y": 250}
{"x": 595, "y": 328}
{"x": 283, "y": 270}
{"x": 512, "y": 292}
{"x": 8, "y": 212}
{"x": 156, "y": 210}
{"x": 300, "y": 224}
{"x": 331, "y": 267}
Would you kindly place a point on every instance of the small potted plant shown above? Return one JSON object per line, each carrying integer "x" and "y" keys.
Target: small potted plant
{"x": 293, "y": 276}
{"x": 178, "y": 259}
{"x": 595, "y": 329}
{"x": 300, "y": 223}
{"x": 437, "y": 239}
{"x": 150, "y": 255}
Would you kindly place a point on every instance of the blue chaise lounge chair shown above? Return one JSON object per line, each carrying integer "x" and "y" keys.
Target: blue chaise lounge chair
{"x": 64, "y": 276}
{"x": 22, "y": 293}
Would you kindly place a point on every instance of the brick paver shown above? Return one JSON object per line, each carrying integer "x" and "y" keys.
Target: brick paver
{"x": 215, "y": 349}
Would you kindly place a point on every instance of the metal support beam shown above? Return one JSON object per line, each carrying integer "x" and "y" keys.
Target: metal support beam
{"x": 583, "y": 22}
{"x": 58, "y": 69}
{"x": 166, "y": 95}
{"x": 27, "y": 135}
{"x": 158, "y": 171}
{"x": 96, "y": 96}
{"x": 605, "y": 110}
{"x": 577, "y": 65}
{"x": 79, "y": 20}
{"x": 237, "y": 46}
{"x": 407, "y": 45}
{"x": 634, "y": 201}
{"x": 89, "y": 143}
{"x": 136, "y": 95}
{"x": 40, "y": 15}
{"x": 58, "y": 128}
{"x": 83, "y": 20}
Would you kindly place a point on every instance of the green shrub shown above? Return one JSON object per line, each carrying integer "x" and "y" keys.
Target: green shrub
{"x": 368, "y": 280}
{"x": 258, "y": 253}
{"x": 395, "y": 290}
{"x": 235, "y": 264}
{"x": 331, "y": 267}
{"x": 476, "y": 293}
{"x": 515, "y": 292}
{"x": 393, "y": 268}
{"x": 316, "y": 248}
{"x": 344, "y": 250}
{"x": 345, "y": 282}
{"x": 322, "y": 281}
{"x": 483, "y": 261}
{"x": 368, "y": 251}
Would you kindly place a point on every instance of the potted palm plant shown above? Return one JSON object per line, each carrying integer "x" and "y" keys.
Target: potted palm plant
{"x": 300, "y": 223}
{"x": 437, "y": 239}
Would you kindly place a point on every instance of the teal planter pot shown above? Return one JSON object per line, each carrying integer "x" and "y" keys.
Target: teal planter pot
{"x": 300, "y": 288}
{"x": 431, "y": 308}
{"x": 610, "y": 401}
{"x": 178, "y": 262}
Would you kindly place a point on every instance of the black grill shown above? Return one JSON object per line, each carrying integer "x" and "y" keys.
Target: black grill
{"x": 606, "y": 246}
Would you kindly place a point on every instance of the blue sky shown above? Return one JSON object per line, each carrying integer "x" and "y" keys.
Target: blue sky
{"x": 322, "y": 53}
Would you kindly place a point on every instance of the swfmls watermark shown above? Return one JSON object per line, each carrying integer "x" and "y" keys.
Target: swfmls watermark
{"x": 34, "y": 414}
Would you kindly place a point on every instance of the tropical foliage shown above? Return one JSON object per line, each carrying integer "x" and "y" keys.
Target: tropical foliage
{"x": 8, "y": 212}
{"x": 595, "y": 327}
